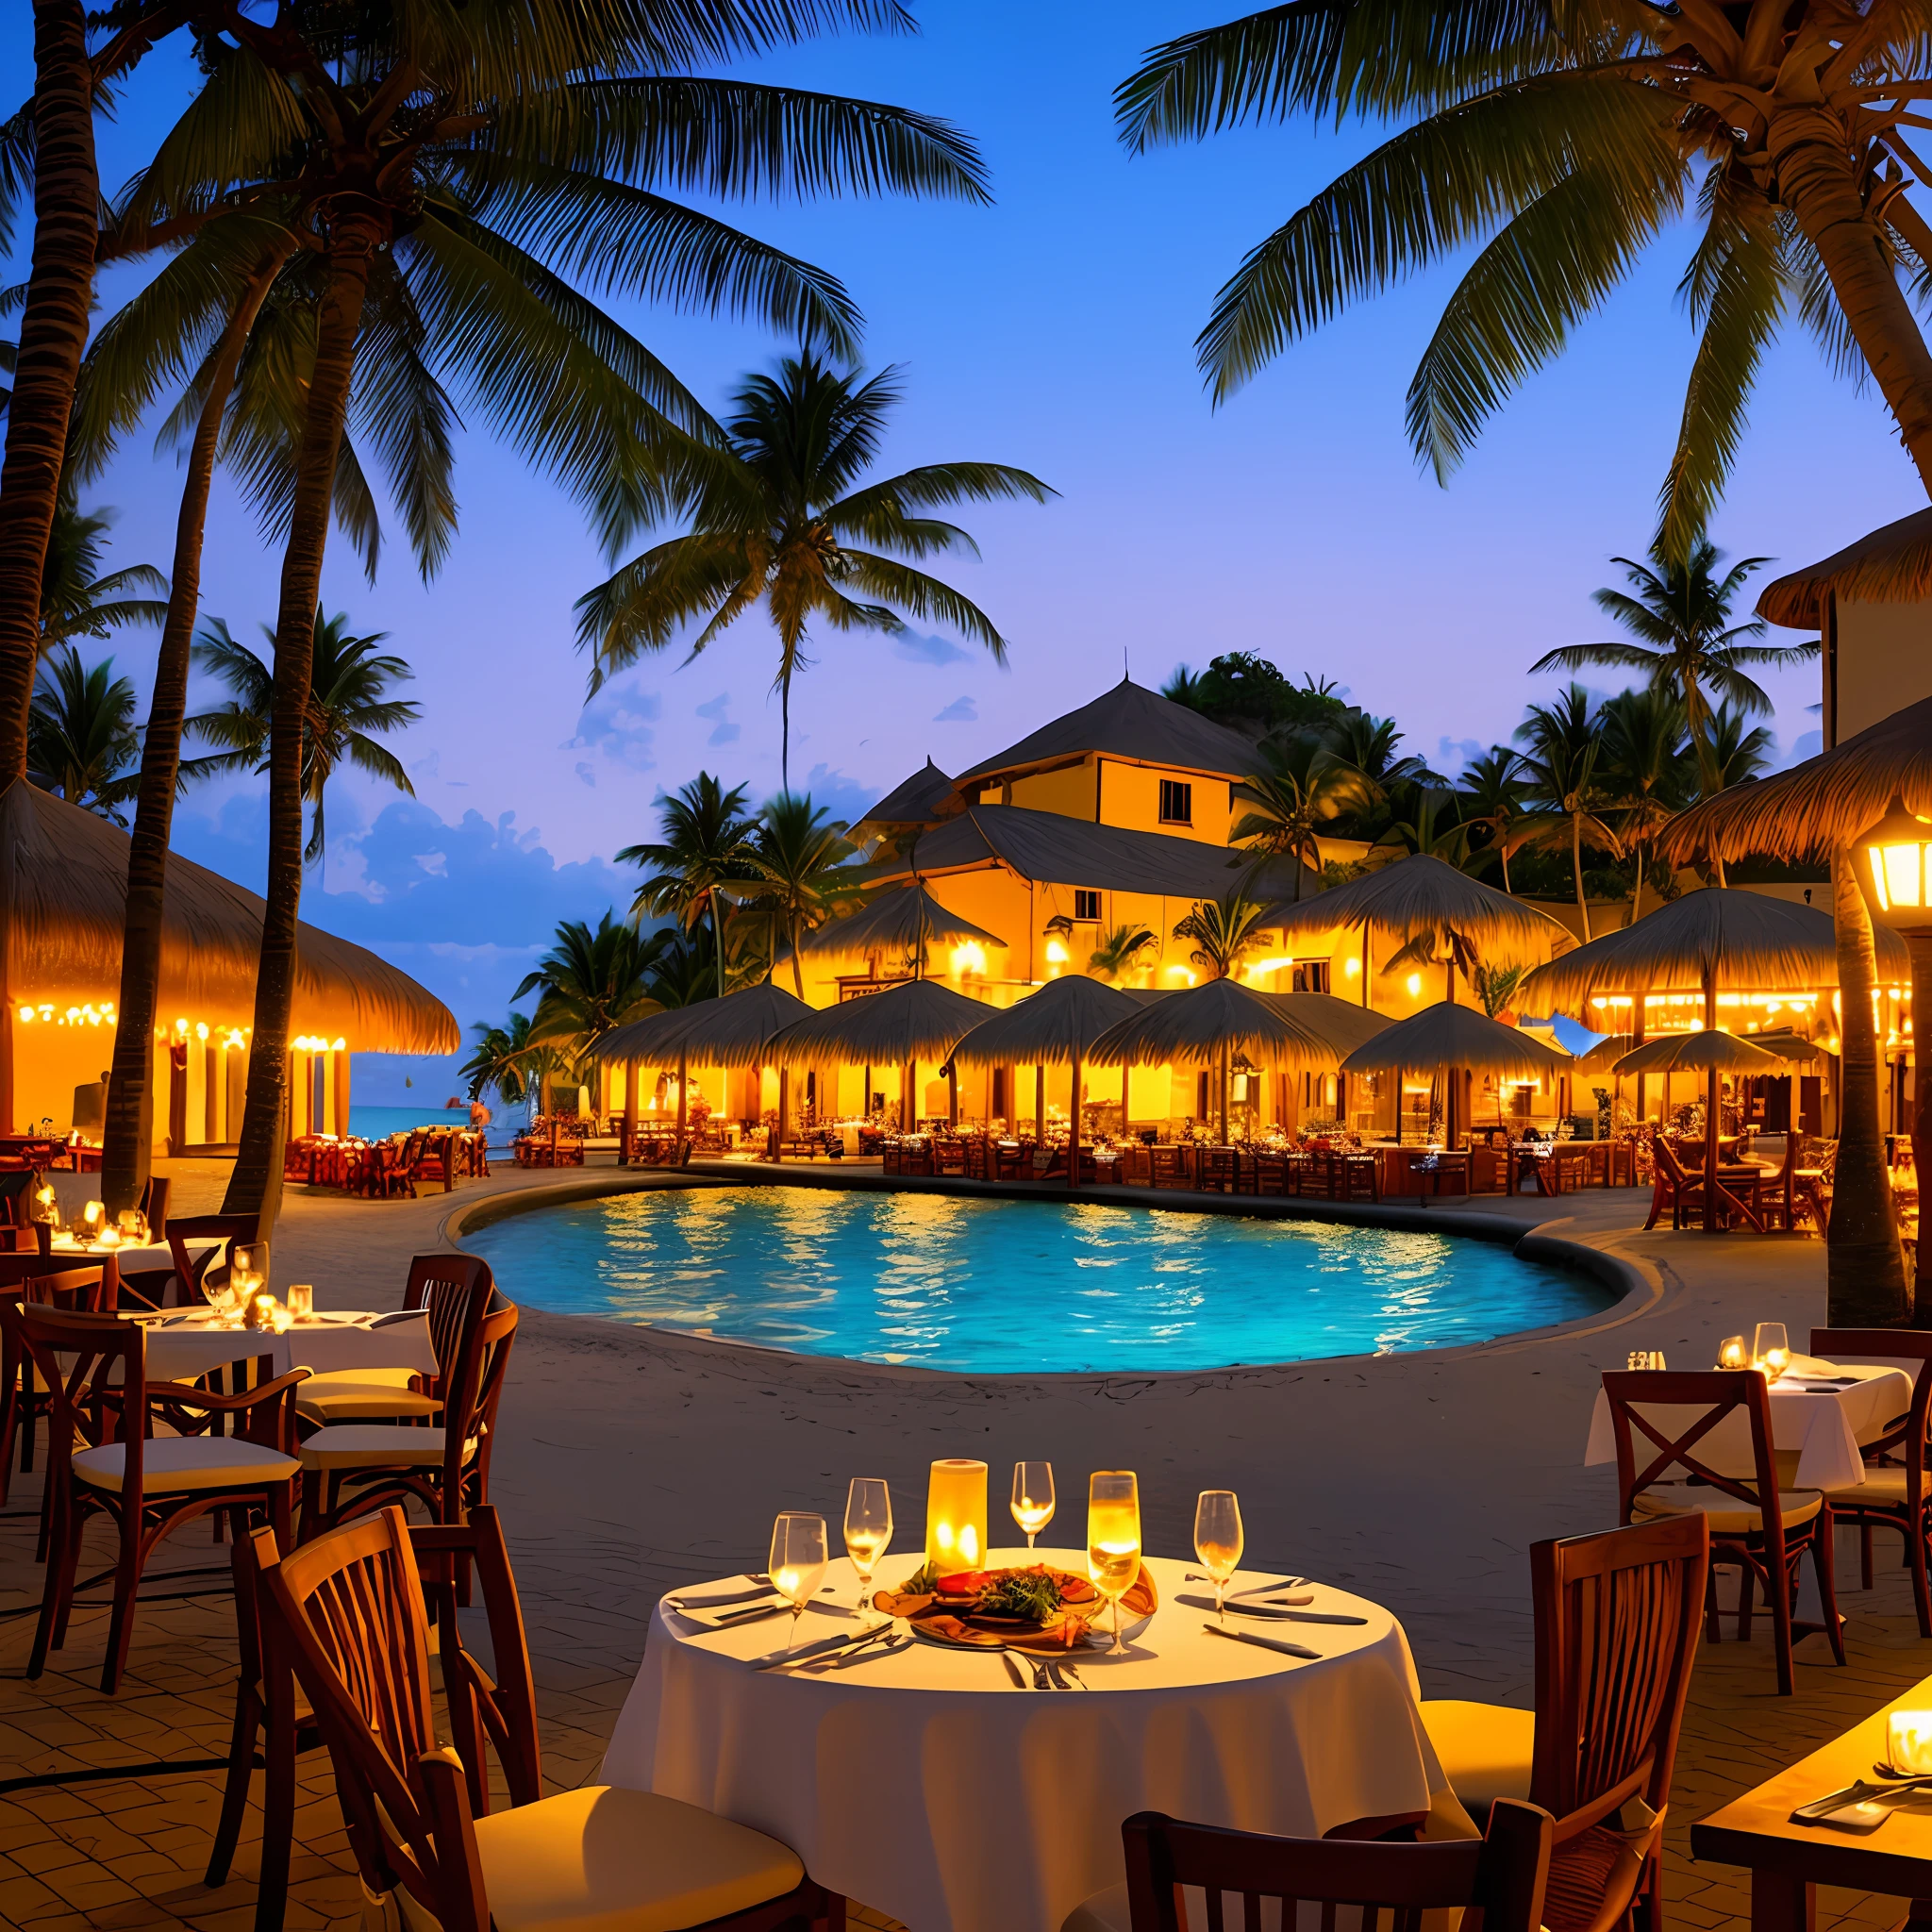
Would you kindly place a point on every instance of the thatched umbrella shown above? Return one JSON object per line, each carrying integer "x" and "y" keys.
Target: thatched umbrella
{"x": 734, "y": 1031}
{"x": 1446, "y": 1037}
{"x": 1053, "y": 1026}
{"x": 904, "y": 920}
{"x": 916, "y": 1020}
{"x": 1422, "y": 894}
{"x": 1214, "y": 1021}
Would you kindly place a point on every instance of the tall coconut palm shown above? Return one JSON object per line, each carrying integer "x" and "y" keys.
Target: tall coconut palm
{"x": 801, "y": 861}
{"x": 504, "y": 1062}
{"x": 77, "y": 598}
{"x": 1549, "y": 147}
{"x": 586, "y": 984}
{"x": 81, "y": 741}
{"x": 1369, "y": 744}
{"x": 1562, "y": 751}
{"x": 1644, "y": 772}
{"x": 1687, "y": 645}
{"x": 1123, "y": 951}
{"x": 347, "y": 706}
{"x": 1493, "y": 789}
{"x": 1222, "y": 931}
{"x": 782, "y": 519}
{"x": 705, "y": 844}
{"x": 1739, "y": 750}
{"x": 1300, "y": 784}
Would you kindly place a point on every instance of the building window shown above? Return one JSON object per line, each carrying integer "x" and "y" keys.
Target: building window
{"x": 1310, "y": 976}
{"x": 1177, "y": 802}
{"x": 1086, "y": 905}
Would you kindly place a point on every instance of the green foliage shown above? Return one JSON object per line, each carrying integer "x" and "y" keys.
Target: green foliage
{"x": 81, "y": 740}
{"x": 506, "y": 1060}
{"x": 801, "y": 864}
{"x": 1121, "y": 951}
{"x": 588, "y": 983}
{"x": 1495, "y": 986}
{"x": 77, "y": 600}
{"x": 704, "y": 844}
{"x": 1250, "y": 693}
{"x": 1224, "y": 932}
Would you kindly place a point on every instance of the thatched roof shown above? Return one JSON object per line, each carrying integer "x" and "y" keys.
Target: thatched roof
{"x": 913, "y": 801}
{"x": 1446, "y": 1035}
{"x": 63, "y": 891}
{"x": 1887, "y": 566}
{"x": 1193, "y": 1025}
{"x": 734, "y": 1031}
{"x": 1700, "y": 1053}
{"x": 1418, "y": 893}
{"x": 1342, "y": 1023}
{"x": 1786, "y": 1044}
{"x": 1817, "y": 807}
{"x": 1048, "y": 1027}
{"x": 918, "y": 1020}
{"x": 1604, "y": 1055}
{"x": 1749, "y": 942}
{"x": 896, "y": 922}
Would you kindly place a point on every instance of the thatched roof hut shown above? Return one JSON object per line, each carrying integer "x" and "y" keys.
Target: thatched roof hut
{"x": 1342, "y": 1023}
{"x": 63, "y": 887}
{"x": 899, "y": 922}
{"x": 1712, "y": 1050}
{"x": 734, "y": 1031}
{"x": 1053, "y": 1026}
{"x": 1447, "y": 1035}
{"x": 1891, "y": 564}
{"x": 916, "y": 1020}
{"x": 1196, "y": 1025}
{"x": 1418, "y": 894}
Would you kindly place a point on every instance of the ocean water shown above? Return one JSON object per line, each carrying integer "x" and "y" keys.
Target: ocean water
{"x": 379, "y": 1122}
{"x": 1007, "y": 1286}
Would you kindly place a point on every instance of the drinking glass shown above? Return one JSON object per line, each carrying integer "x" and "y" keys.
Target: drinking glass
{"x": 1113, "y": 1540}
{"x": 1218, "y": 1540}
{"x": 798, "y": 1561}
{"x": 1731, "y": 1353}
{"x": 301, "y": 1300}
{"x": 868, "y": 1530}
{"x": 1771, "y": 1349}
{"x": 1032, "y": 1504}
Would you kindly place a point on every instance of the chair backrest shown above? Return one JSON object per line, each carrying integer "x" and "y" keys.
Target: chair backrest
{"x": 471, "y": 1395}
{"x": 1504, "y": 1875}
{"x": 154, "y": 1204}
{"x": 1703, "y": 1400}
{"x": 1669, "y": 1165}
{"x": 456, "y": 1289}
{"x": 105, "y": 1374}
{"x": 1616, "y": 1636}
{"x": 63, "y": 1280}
{"x": 225, "y": 1228}
{"x": 1906, "y": 1348}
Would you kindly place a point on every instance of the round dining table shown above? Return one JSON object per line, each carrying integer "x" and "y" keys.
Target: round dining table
{"x": 183, "y": 1345}
{"x": 926, "y": 1783}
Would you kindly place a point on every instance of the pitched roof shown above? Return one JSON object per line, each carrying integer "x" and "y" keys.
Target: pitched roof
{"x": 1131, "y": 722}
{"x": 1054, "y": 850}
{"x": 1892, "y": 564}
{"x": 913, "y": 801}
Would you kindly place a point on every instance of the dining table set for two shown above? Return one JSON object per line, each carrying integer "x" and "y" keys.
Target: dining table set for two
{"x": 954, "y": 1737}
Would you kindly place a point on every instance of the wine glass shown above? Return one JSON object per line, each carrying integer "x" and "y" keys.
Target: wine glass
{"x": 868, "y": 1530}
{"x": 798, "y": 1561}
{"x": 1113, "y": 1540}
{"x": 1218, "y": 1540}
{"x": 1032, "y": 1504}
{"x": 1770, "y": 1349}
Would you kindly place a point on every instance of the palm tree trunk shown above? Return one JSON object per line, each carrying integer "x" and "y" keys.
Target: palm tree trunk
{"x": 53, "y": 333}
{"x": 1576, "y": 867}
{"x": 1503, "y": 848}
{"x": 797, "y": 969}
{"x": 127, "y": 1134}
{"x": 256, "y": 1185}
{"x": 1818, "y": 180}
{"x": 718, "y": 932}
{"x": 1865, "y": 1281}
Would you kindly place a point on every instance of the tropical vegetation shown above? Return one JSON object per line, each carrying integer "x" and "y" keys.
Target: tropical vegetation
{"x": 81, "y": 741}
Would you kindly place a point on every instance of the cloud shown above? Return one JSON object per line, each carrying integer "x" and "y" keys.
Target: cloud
{"x": 962, "y": 710}
{"x": 844, "y": 797}
{"x": 1807, "y": 744}
{"x": 1453, "y": 754}
{"x": 618, "y": 725}
{"x": 726, "y": 732}
{"x": 918, "y": 648}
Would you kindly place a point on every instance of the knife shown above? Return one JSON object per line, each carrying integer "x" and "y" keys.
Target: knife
{"x": 1265, "y": 1642}
{"x": 1279, "y": 1616}
{"x": 773, "y": 1659}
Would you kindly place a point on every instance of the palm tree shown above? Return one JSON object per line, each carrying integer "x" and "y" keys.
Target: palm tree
{"x": 504, "y": 1060}
{"x": 81, "y": 741}
{"x": 1369, "y": 744}
{"x": 1434, "y": 824}
{"x": 1739, "y": 750}
{"x": 77, "y": 600}
{"x": 1492, "y": 791}
{"x": 778, "y": 520}
{"x": 800, "y": 862}
{"x": 586, "y": 984}
{"x": 1565, "y": 140}
{"x": 704, "y": 844}
{"x": 1644, "y": 772}
{"x": 1688, "y": 645}
{"x": 1562, "y": 746}
{"x": 346, "y": 704}
{"x": 1123, "y": 951}
{"x": 1495, "y": 986}
{"x": 1303, "y": 782}
{"x": 1222, "y": 931}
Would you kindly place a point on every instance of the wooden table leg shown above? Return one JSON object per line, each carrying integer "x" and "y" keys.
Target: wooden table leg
{"x": 1780, "y": 1903}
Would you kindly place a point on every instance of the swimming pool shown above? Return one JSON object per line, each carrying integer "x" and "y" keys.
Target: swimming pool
{"x": 940, "y": 1281}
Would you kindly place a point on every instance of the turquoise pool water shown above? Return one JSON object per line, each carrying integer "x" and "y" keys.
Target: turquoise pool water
{"x": 1007, "y": 1286}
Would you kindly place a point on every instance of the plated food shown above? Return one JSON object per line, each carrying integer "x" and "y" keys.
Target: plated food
{"x": 1033, "y": 1607}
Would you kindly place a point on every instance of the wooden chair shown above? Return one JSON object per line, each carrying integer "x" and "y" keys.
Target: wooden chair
{"x": 24, "y": 1398}
{"x": 445, "y": 1466}
{"x": 348, "y": 1611}
{"x": 1616, "y": 1639}
{"x": 1270, "y": 1173}
{"x": 270, "y": 1707}
{"x": 1897, "y": 1495}
{"x": 1755, "y": 1528}
{"x": 1355, "y": 1177}
{"x": 1675, "y": 1187}
{"x": 145, "y": 1485}
{"x": 1164, "y": 1167}
{"x": 433, "y": 1159}
{"x": 1814, "y": 1181}
{"x": 1343, "y": 1882}
{"x": 191, "y": 1274}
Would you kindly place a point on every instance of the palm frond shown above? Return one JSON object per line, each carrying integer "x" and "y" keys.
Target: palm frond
{"x": 914, "y": 592}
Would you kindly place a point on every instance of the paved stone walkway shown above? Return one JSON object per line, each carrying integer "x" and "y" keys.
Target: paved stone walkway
{"x": 1418, "y": 1479}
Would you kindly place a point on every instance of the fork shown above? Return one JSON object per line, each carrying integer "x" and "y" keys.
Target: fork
{"x": 1041, "y": 1680}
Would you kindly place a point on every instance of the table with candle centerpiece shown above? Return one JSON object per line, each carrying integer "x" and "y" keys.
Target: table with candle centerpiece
{"x": 953, "y": 1736}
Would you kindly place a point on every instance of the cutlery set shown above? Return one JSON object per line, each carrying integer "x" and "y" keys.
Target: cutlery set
{"x": 1049, "y": 1672}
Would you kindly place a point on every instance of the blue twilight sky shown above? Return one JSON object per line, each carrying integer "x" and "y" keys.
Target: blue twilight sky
{"x": 1053, "y": 330}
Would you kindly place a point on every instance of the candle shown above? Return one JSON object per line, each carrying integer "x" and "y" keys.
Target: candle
{"x": 1733, "y": 1353}
{"x": 956, "y": 1514}
{"x": 1908, "y": 1741}
{"x": 301, "y": 1300}
{"x": 93, "y": 1214}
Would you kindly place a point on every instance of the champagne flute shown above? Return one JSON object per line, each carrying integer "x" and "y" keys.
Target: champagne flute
{"x": 1032, "y": 1504}
{"x": 1113, "y": 1540}
{"x": 798, "y": 1561}
{"x": 868, "y": 1530}
{"x": 1218, "y": 1540}
{"x": 1771, "y": 1349}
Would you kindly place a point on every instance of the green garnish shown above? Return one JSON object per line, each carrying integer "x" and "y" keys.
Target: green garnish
{"x": 923, "y": 1582}
{"x": 1030, "y": 1593}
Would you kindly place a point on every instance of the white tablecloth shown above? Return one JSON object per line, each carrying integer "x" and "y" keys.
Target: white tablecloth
{"x": 130, "y": 1258}
{"x": 928, "y": 1785}
{"x": 179, "y": 1351}
{"x": 1824, "y": 1427}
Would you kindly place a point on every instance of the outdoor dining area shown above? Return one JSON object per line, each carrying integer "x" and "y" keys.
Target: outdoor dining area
{"x": 387, "y": 1168}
